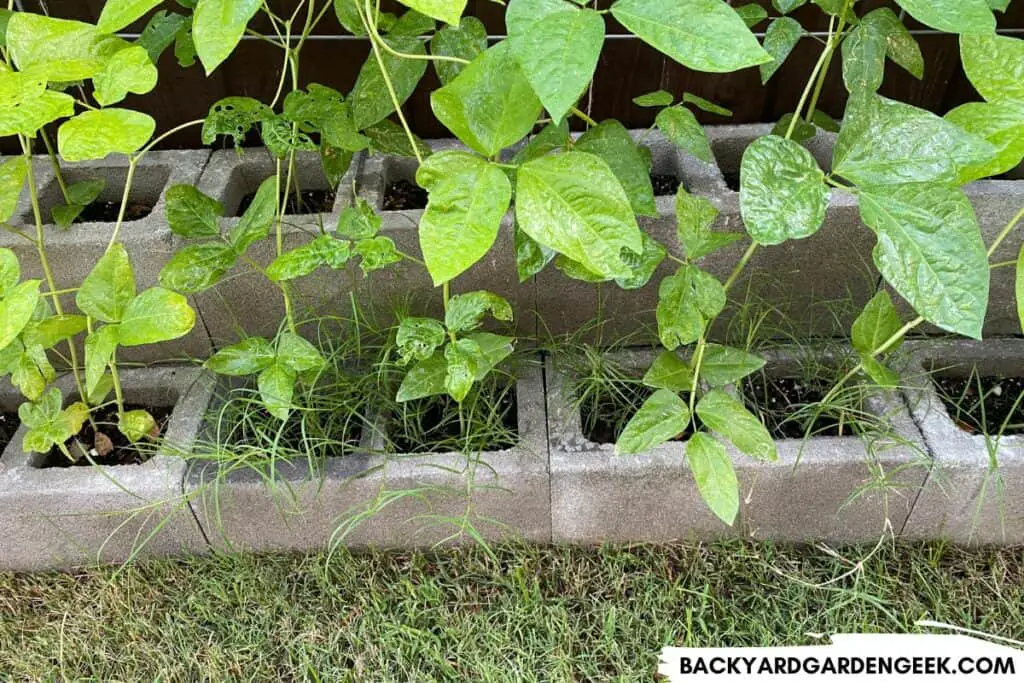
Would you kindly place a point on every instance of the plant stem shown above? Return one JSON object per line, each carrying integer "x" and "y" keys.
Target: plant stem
{"x": 830, "y": 50}
{"x": 116, "y": 379}
{"x": 124, "y": 202}
{"x": 1005, "y": 232}
{"x": 885, "y": 346}
{"x": 744, "y": 260}
{"x": 446, "y": 295}
{"x": 163, "y": 136}
{"x": 814, "y": 74}
{"x": 583, "y": 115}
{"x": 56, "y": 165}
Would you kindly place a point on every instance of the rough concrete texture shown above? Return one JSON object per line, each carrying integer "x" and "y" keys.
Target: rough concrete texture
{"x": 72, "y": 253}
{"x": 966, "y": 500}
{"x": 825, "y": 488}
{"x": 245, "y": 302}
{"x": 293, "y": 507}
{"x": 61, "y": 517}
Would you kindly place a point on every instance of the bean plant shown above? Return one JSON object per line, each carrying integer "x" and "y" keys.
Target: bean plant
{"x": 576, "y": 199}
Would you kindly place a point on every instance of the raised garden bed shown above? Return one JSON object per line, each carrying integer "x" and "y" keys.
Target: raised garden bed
{"x": 972, "y": 495}
{"x": 415, "y": 497}
{"x": 821, "y": 488}
{"x": 66, "y": 516}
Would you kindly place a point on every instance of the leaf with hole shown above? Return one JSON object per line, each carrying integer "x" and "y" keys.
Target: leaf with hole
{"x": 930, "y": 250}
{"x": 233, "y": 116}
{"x": 467, "y": 198}
{"x": 663, "y": 417}
{"x": 726, "y": 416}
{"x": 376, "y": 253}
{"x": 466, "y": 311}
{"x": 418, "y": 338}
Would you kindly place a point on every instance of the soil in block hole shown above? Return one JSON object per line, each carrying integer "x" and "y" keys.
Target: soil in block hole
{"x": 605, "y": 415}
{"x": 664, "y": 184}
{"x": 732, "y": 180}
{"x": 106, "y": 445}
{"x": 106, "y": 212}
{"x": 432, "y": 425}
{"x": 787, "y": 405}
{"x": 309, "y": 201}
{"x": 983, "y": 404}
{"x": 8, "y": 426}
{"x": 402, "y": 195}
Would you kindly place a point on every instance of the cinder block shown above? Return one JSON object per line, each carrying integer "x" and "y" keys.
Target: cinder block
{"x": 296, "y": 507}
{"x": 63, "y": 517}
{"x": 72, "y": 253}
{"x": 819, "y": 489}
{"x": 973, "y": 494}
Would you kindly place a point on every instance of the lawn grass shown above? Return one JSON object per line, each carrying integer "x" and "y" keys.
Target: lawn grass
{"x": 527, "y": 613}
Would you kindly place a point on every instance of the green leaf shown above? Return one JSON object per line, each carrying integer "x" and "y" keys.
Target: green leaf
{"x": 779, "y": 40}
{"x": 79, "y": 195}
{"x": 10, "y": 269}
{"x": 876, "y": 324}
{"x": 299, "y": 262}
{"x": 32, "y": 114}
{"x": 190, "y": 213}
{"x": 705, "y": 105}
{"x": 57, "y": 50}
{"x": 662, "y": 417}
{"x": 999, "y": 123}
{"x": 884, "y": 142}
{"x": 376, "y": 253}
{"x": 466, "y": 41}
{"x": 99, "y": 351}
{"x": 347, "y": 12}
{"x": 930, "y": 250}
{"x": 783, "y": 195}
{"x": 577, "y": 271}
{"x": 48, "y": 424}
{"x": 715, "y": 477}
{"x": 247, "y": 357}
{"x": 466, "y": 311}
{"x": 335, "y": 162}
{"x": 16, "y": 310}
{"x": 612, "y": 142}
{"x": 369, "y": 99}
{"x": 681, "y": 127}
{"x": 490, "y": 105}
{"x": 185, "y": 47}
{"x": 531, "y": 255}
{"x": 694, "y": 218}
{"x": 686, "y": 302}
{"x": 117, "y": 14}
{"x": 658, "y": 98}
{"x": 994, "y": 65}
{"x": 426, "y": 378}
{"x": 281, "y": 137}
{"x": 574, "y": 204}
{"x": 412, "y": 23}
{"x": 136, "y": 425}
{"x": 447, "y": 11}
{"x": 1019, "y": 286}
{"x": 218, "y": 26}
{"x": 900, "y": 45}
{"x": 467, "y": 198}
{"x": 156, "y": 315}
{"x": 297, "y": 354}
{"x": 197, "y": 267}
{"x": 864, "y": 59}
{"x": 725, "y": 415}
{"x": 642, "y": 265}
{"x": 494, "y": 347}
{"x": 13, "y": 172}
{"x": 323, "y": 110}
{"x": 418, "y": 338}
{"x": 671, "y": 372}
{"x": 752, "y": 14}
{"x": 387, "y": 137}
{"x": 879, "y": 373}
{"x": 234, "y": 116}
{"x": 162, "y": 30}
{"x": 557, "y": 45}
{"x": 359, "y": 221}
{"x": 787, "y": 6}
{"x": 724, "y": 365}
{"x": 254, "y": 225}
{"x": 276, "y": 385}
{"x": 836, "y": 8}
{"x": 95, "y": 134}
{"x": 32, "y": 372}
{"x": 802, "y": 131}
{"x": 1000, "y": 5}
{"x": 464, "y": 358}
{"x": 705, "y": 35}
{"x": 49, "y": 332}
{"x": 952, "y": 16}
{"x": 129, "y": 70}
{"x": 109, "y": 288}
{"x": 552, "y": 137}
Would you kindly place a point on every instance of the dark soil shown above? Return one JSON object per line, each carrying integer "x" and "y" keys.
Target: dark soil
{"x": 779, "y": 401}
{"x": 402, "y": 195}
{"x": 106, "y": 212}
{"x": 982, "y": 405}
{"x": 664, "y": 184}
{"x": 732, "y": 180}
{"x": 309, "y": 201}
{"x": 604, "y": 417}
{"x": 8, "y": 426}
{"x": 432, "y": 425}
{"x": 124, "y": 452}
